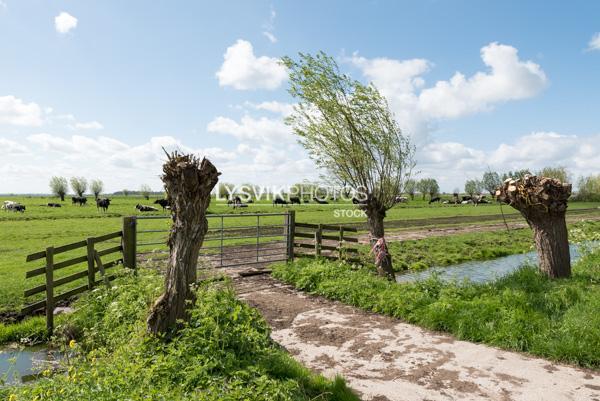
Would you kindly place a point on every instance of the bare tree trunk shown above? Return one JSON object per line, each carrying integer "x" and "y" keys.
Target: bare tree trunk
{"x": 543, "y": 203}
{"x": 188, "y": 183}
{"x": 375, "y": 215}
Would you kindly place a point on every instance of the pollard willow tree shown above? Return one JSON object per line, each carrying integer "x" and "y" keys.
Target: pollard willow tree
{"x": 543, "y": 203}
{"x": 350, "y": 132}
{"x": 188, "y": 183}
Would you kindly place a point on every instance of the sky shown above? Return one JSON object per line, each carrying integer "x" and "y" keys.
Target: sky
{"x": 98, "y": 89}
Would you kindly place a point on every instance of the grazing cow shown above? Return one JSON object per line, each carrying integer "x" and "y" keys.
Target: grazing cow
{"x": 359, "y": 202}
{"x": 13, "y": 206}
{"x": 306, "y": 200}
{"x": 320, "y": 201}
{"x": 295, "y": 199}
{"x": 103, "y": 204}
{"x": 8, "y": 205}
{"x": 144, "y": 208}
{"x": 400, "y": 199}
{"x": 249, "y": 201}
{"x": 81, "y": 200}
{"x": 279, "y": 201}
{"x": 436, "y": 199}
{"x": 467, "y": 198}
{"x": 164, "y": 203}
{"x": 54, "y": 205}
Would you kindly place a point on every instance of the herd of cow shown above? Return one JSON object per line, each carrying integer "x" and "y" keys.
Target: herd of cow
{"x": 102, "y": 204}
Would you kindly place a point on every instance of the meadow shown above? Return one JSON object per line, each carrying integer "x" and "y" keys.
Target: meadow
{"x": 41, "y": 226}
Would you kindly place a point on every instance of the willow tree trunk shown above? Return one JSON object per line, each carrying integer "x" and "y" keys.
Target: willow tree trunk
{"x": 188, "y": 183}
{"x": 375, "y": 215}
{"x": 543, "y": 203}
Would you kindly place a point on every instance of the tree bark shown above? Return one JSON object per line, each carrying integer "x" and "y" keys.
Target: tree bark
{"x": 188, "y": 183}
{"x": 543, "y": 203}
{"x": 375, "y": 215}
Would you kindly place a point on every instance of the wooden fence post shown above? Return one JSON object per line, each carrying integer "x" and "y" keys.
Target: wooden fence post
{"x": 90, "y": 262}
{"x": 290, "y": 224}
{"x": 341, "y": 242}
{"x": 129, "y": 242}
{"x": 318, "y": 239}
{"x": 50, "y": 290}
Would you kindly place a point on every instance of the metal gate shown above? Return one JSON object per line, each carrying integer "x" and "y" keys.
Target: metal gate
{"x": 232, "y": 239}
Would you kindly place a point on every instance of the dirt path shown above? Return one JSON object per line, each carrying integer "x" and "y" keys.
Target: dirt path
{"x": 420, "y": 233}
{"x": 384, "y": 359}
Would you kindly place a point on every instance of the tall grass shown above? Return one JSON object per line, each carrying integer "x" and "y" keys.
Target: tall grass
{"x": 223, "y": 353}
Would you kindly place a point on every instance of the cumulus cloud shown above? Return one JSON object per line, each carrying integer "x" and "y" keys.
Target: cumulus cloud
{"x": 249, "y": 128}
{"x": 418, "y": 107}
{"x": 14, "y": 111}
{"x": 285, "y": 109}
{"x": 242, "y": 70}
{"x": 64, "y": 22}
{"x": 11, "y": 147}
{"x": 89, "y": 125}
{"x": 594, "y": 43}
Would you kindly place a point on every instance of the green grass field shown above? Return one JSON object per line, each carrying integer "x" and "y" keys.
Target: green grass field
{"x": 41, "y": 226}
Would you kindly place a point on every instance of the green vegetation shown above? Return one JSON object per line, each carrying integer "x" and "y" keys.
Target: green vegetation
{"x": 223, "y": 353}
{"x": 41, "y": 226}
{"x": 524, "y": 311}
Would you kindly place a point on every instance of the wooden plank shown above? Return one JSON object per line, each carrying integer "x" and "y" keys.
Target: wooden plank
{"x": 70, "y": 293}
{"x": 36, "y": 272}
{"x": 307, "y": 225}
{"x": 350, "y": 239}
{"x": 70, "y": 262}
{"x": 57, "y": 266}
{"x": 108, "y": 251}
{"x": 329, "y": 248}
{"x": 331, "y": 227}
{"x": 68, "y": 279}
{"x": 33, "y": 307}
{"x": 352, "y": 250}
{"x": 69, "y": 247}
{"x": 106, "y": 237}
{"x": 49, "y": 290}
{"x": 35, "y": 256}
{"x": 301, "y": 245}
{"x": 34, "y": 290}
{"x": 304, "y": 235}
{"x": 100, "y": 267}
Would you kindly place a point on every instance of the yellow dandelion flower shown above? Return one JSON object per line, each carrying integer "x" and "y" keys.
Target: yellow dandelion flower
{"x": 12, "y": 397}
{"x": 72, "y": 344}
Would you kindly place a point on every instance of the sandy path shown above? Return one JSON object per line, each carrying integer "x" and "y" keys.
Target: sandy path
{"x": 385, "y": 359}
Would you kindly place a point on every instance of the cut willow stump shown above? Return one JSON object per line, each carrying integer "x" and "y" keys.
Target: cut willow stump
{"x": 188, "y": 183}
{"x": 543, "y": 203}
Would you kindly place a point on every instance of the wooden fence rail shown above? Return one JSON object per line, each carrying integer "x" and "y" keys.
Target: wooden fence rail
{"x": 94, "y": 265}
{"x": 324, "y": 239}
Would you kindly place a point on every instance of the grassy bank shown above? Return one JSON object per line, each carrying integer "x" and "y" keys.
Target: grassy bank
{"x": 556, "y": 319}
{"x": 453, "y": 249}
{"x": 223, "y": 353}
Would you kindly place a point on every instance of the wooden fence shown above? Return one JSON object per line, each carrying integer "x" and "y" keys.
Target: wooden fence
{"x": 325, "y": 241}
{"x": 95, "y": 265}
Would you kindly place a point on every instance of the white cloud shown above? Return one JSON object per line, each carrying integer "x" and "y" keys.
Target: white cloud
{"x": 89, "y": 125}
{"x": 262, "y": 130}
{"x": 14, "y": 111}
{"x": 11, "y": 147}
{"x": 418, "y": 108}
{"x": 242, "y": 70}
{"x": 285, "y": 109}
{"x": 64, "y": 22}
{"x": 270, "y": 36}
{"x": 594, "y": 43}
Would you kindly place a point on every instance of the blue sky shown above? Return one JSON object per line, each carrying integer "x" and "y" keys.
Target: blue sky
{"x": 97, "y": 88}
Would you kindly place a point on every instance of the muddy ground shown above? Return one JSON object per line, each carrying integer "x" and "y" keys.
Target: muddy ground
{"x": 385, "y": 359}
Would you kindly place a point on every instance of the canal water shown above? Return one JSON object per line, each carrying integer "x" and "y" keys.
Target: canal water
{"x": 480, "y": 271}
{"x": 21, "y": 364}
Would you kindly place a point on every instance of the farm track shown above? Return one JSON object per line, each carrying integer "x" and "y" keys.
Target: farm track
{"x": 382, "y": 358}
{"x": 412, "y": 234}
